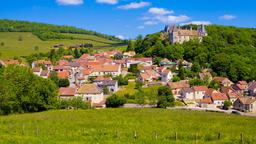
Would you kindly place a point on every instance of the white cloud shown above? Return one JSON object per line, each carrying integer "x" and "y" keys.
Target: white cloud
{"x": 140, "y": 27}
{"x": 134, "y": 5}
{"x": 160, "y": 15}
{"x": 70, "y": 2}
{"x": 150, "y": 23}
{"x": 120, "y": 37}
{"x": 197, "y": 23}
{"x": 227, "y": 17}
{"x": 159, "y": 11}
{"x": 107, "y": 1}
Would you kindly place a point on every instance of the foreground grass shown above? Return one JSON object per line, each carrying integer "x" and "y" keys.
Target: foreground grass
{"x": 13, "y": 47}
{"x": 120, "y": 125}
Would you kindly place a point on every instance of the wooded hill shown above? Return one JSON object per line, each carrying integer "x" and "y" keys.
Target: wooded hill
{"x": 228, "y": 51}
{"x": 47, "y": 31}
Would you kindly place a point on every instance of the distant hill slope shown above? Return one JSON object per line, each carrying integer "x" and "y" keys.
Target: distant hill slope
{"x": 40, "y": 28}
{"x": 20, "y": 38}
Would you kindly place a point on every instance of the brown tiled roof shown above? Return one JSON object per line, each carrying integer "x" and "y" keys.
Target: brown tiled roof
{"x": 101, "y": 78}
{"x": 234, "y": 95}
{"x": 200, "y": 88}
{"x": 67, "y": 91}
{"x": 89, "y": 89}
{"x": 58, "y": 67}
{"x": 219, "y": 96}
{"x": 44, "y": 73}
{"x": 106, "y": 68}
{"x": 206, "y": 101}
{"x": 178, "y": 85}
{"x": 187, "y": 90}
{"x": 45, "y": 62}
{"x": 247, "y": 100}
{"x": 252, "y": 85}
{"x": 36, "y": 69}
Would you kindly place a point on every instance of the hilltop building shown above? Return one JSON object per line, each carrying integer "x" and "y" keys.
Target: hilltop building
{"x": 180, "y": 35}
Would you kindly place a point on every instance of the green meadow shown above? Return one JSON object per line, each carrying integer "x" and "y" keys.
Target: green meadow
{"x": 105, "y": 126}
{"x": 23, "y": 43}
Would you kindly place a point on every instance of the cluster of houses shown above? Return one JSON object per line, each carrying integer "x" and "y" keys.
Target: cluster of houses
{"x": 90, "y": 75}
{"x": 240, "y": 94}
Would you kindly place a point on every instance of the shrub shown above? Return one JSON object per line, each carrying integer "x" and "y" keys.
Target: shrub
{"x": 63, "y": 83}
{"x": 76, "y": 103}
{"x": 115, "y": 101}
{"x": 165, "y": 97}
{"x": 227, "y": 105}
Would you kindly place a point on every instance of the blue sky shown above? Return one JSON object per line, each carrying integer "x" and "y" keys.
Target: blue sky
{"x": 128, "y": 18}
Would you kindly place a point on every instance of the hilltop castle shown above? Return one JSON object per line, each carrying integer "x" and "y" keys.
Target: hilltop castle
{"x": 180, "y": 35}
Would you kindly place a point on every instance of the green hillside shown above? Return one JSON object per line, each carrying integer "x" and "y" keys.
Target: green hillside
{"x": 120, "y": 126}
{"x": 228, "y": 51}
{"x": 18, "y": 38}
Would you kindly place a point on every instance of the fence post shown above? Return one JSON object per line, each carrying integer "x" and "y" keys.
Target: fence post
{"x": 23, "y": 129}
{"x": 37, "y": 131}
{"x": 135, "y": 135}
{"x": 176, "y": 136}
{"x": 242, "y": 138}
{"x": 196, "y": 138}
{"x": 156, "y": 136}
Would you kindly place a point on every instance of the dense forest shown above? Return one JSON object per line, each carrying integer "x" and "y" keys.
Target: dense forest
{"x": 228, "y": 51}
{"x": 47, "y": 31}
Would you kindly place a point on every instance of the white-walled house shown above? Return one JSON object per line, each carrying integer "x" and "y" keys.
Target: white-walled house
{"x": 37, "y": 71}
{"x": 141, "y": 61}
{"x": 91, "y": 93}
{"x": 166, "y": 76}
{"x": 199, "y": 91}
{"x": 67, "y": 92}
{"x": 101, "y": 70}
{"x": 187, "y": 94}
{"x": 245, "y": 104}
{"x": 219, "y": 99}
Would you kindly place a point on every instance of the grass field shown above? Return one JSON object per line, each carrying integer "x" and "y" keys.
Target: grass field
{"x": 126, "y": 126}
{"x": 13, "y": 47}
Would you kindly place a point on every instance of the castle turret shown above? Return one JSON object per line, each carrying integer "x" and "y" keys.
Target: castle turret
{"x": 202, "y": 31}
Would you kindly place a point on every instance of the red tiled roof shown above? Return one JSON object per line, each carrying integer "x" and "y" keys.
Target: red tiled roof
{"x": 11, "y": 62}
{"x": 63, "y": 74}
{"x": 87, "y": 71}
{"x": 68, "y": 57}
{"x": 67, "y": 91}
{"x": 206, "y": 101}
{"x": 242, "y": 82}
{"x": 200, "y": 88}
{"x": 219, "y": 96}
{"x": 63, "y": 63}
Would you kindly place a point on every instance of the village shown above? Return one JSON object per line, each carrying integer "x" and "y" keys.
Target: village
{"x": 91, "y": 75}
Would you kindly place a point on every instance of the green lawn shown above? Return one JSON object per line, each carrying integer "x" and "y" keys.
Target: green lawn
{"x": 13, "y": 47}
{"x": 120, "y": 125}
